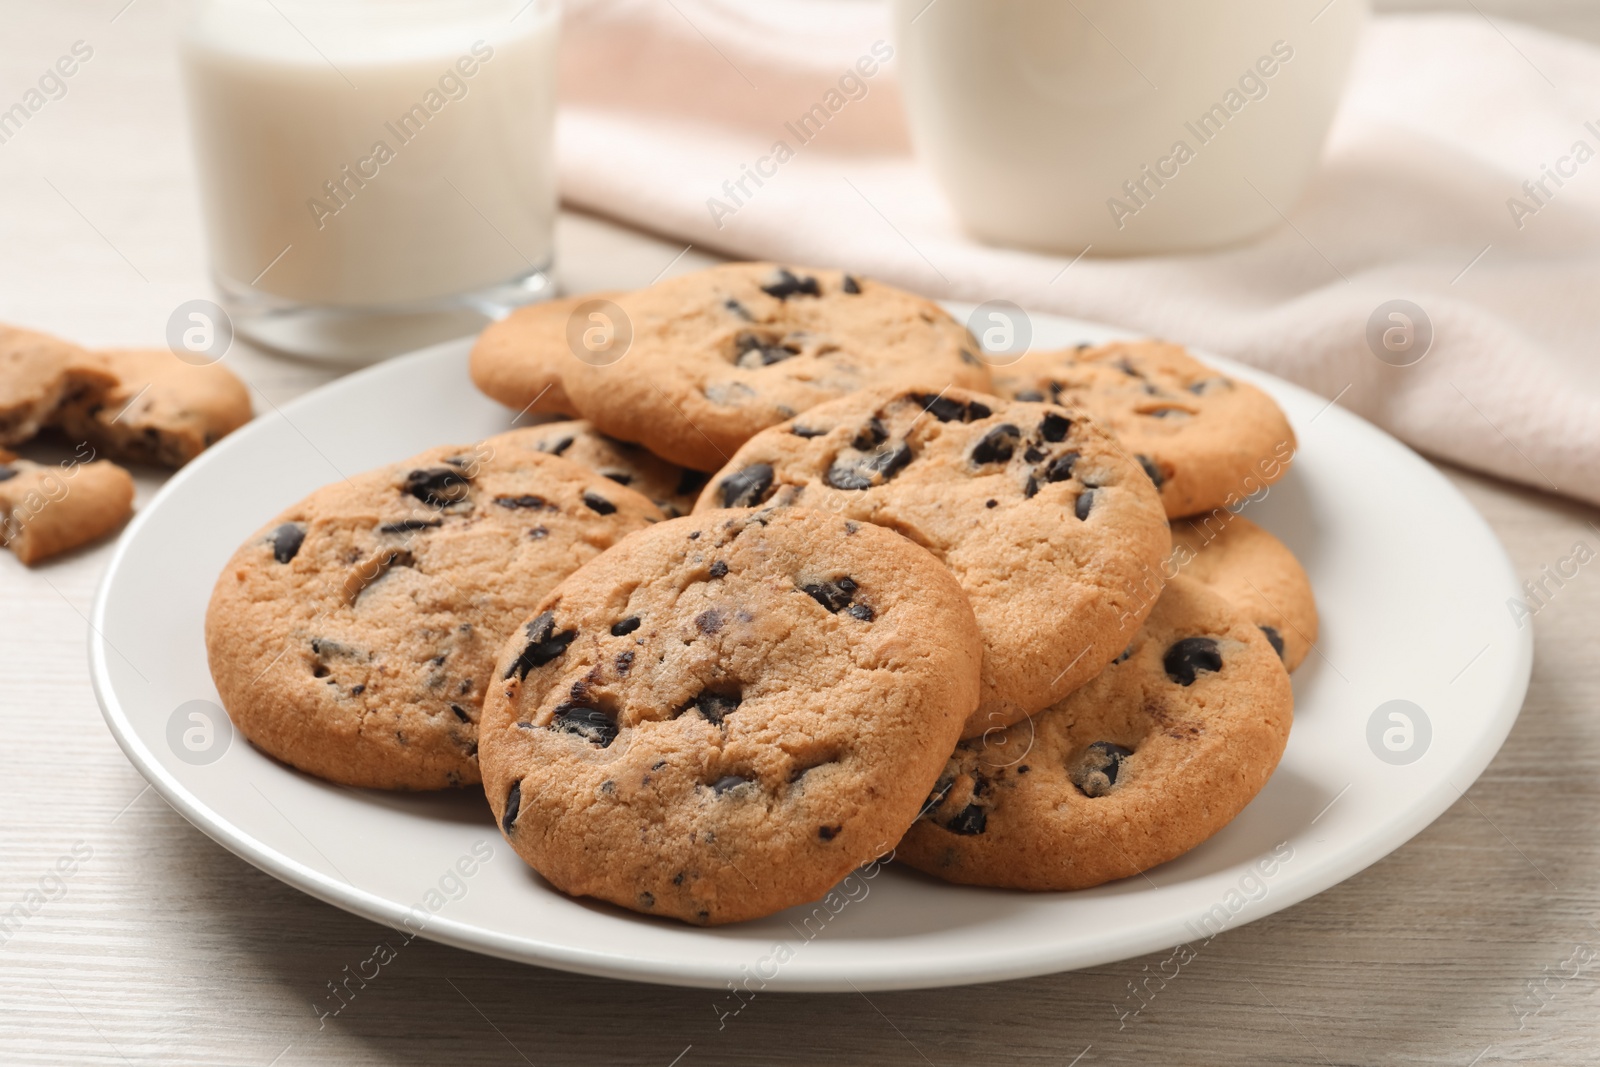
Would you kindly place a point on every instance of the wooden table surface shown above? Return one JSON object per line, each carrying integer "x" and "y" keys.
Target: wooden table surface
{"x": 1475, "y": 943}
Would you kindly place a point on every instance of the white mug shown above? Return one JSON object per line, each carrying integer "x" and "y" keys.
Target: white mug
{"x": 1123, "y": 126}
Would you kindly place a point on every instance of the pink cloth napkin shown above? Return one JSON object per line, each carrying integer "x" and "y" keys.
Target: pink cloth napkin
{"x": 1445, "y": 118}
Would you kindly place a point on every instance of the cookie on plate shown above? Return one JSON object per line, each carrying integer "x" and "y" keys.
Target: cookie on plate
{"x": 727, "y": 713}
{"x": 1055, "y": 535}
{"x": 1207, "y": 440}
{"x": 719, "y": 355}
{"x": 39, "y": 373}
{"x": 47, "y": 509}
{"x": 158, "y": 409}
{"x": 1136, "y": 768}
{"x": 1255, "y": 571}
{"x": 674, "y": 489}
{"x": 355, "y": 635}
{"x": 518, "y": 360}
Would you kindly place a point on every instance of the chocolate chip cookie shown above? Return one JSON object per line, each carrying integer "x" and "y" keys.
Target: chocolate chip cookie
{"x": 1207, "y": 440}
{"x": 1054, "y": 533}
{"x": 721, "y": 354}
{"x": 47, "y": 509}
{"x": 39, "y": 373}
{"x": 674, "y": 489}
{"x": 518, "y": 360}
{"x": 1136, "y": 768}
{"x": 727, "y": 713}
{"x": 355, "y": 635}
{"x": 1255, "y": 571}
{"x": 158, "y": 409}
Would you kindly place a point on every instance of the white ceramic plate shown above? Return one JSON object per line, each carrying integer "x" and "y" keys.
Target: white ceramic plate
{"x": 1411, "y": 584}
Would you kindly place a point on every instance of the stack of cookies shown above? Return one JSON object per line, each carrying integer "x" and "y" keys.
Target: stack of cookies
{"x": 134, "y": 405}
{"x": 800, "y": 581}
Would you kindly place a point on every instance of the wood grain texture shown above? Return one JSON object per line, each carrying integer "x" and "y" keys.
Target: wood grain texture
{"x": 162, "y": 948}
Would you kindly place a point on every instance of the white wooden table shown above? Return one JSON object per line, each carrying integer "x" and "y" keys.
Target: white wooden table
{"x": 159, "y": 947}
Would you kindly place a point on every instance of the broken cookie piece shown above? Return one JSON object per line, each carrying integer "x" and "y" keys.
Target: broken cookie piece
{"x": 155, "y": 408}
{"x": 46, "y": 509}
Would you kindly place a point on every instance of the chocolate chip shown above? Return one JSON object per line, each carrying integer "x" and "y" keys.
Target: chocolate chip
{"x": 1060, "y": 468}
{"x": 625, "y": 627}
{"x": 996, "y": 446}
{"x": 865, "y": 471}
{"x": 969, "y": 820}
{"x": 991, "y": 503}
{"x": 1084, "y": 503}
{"x": 620, "y": 477}
{"x": 647, "y": 899}
{"x": 1122, "y": 657}
{"x": 625, "y": 661}
{"x": 709, "y": 621}
{"x": 410, "y": 526}
{"x": 968, "y": 358}
{"x": 1127, "y": 368}
{"x": 727, "y": 782}
{"x": 1187, "y": 658}
{"x": 357, "y": 690}
{"x": 942, "y": 408}
{"x": 851, "y": 286}
{"x": 786, "y": 284}
{"x": 599, "y": 504}
{"x": 695, "y": 536}
{"x": 1152, "y": 470}
{"x": 1095, "y": 771}
{"x": 1024, "y": 769}
{"x": 591, "y": 724}
{"x": 544, "y": 645}
{"x": 558, "y": 447}
{"x": 8, "y": 473}
{"x": 439, "y": 487}
{"x": 1274, "y": 638}
{"x": 1054, "y": 427}
{"x": 1032, "y": 396}
{"x": 833, "y": 595}
{"x": 691, "y": 482}
{"x": 1030, "y": 487}
{"x": 714, "y": 707}
{"x": 513, "y": 806}
{"x": 861, "y": 611}
{"x": 752, "y": 353}
{"x": 718, "y": 569}
{"x": 286, "y": 541}
{"x": 748, "y": 487}
{"x": 871, "y": 436}
{"x": 525, "y": 501}
{"x": 1032, "y": 455}
{"x": 538, "y": 533}
{"x": 828, "y": 833}
{"x": 805, "y": 431}
{"x": 461, "y": 713}
{"x": 738, "y": 309}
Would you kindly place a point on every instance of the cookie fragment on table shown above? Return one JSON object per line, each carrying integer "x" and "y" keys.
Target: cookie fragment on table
{"x": 156, "y": 408}
{"x": 38, "y": 374}
{"x": 47, "y": 509}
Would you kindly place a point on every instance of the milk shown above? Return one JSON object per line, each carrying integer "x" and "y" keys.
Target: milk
{"x": 390, "y": 154}
{"x": 1123, "y": 126}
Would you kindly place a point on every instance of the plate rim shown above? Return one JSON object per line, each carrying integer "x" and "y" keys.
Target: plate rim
{"x": 1005, "y": 963}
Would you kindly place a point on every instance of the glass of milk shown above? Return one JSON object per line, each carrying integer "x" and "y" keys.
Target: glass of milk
{"x": 1123, "y": 126}
{"x": 376, "y": 175}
